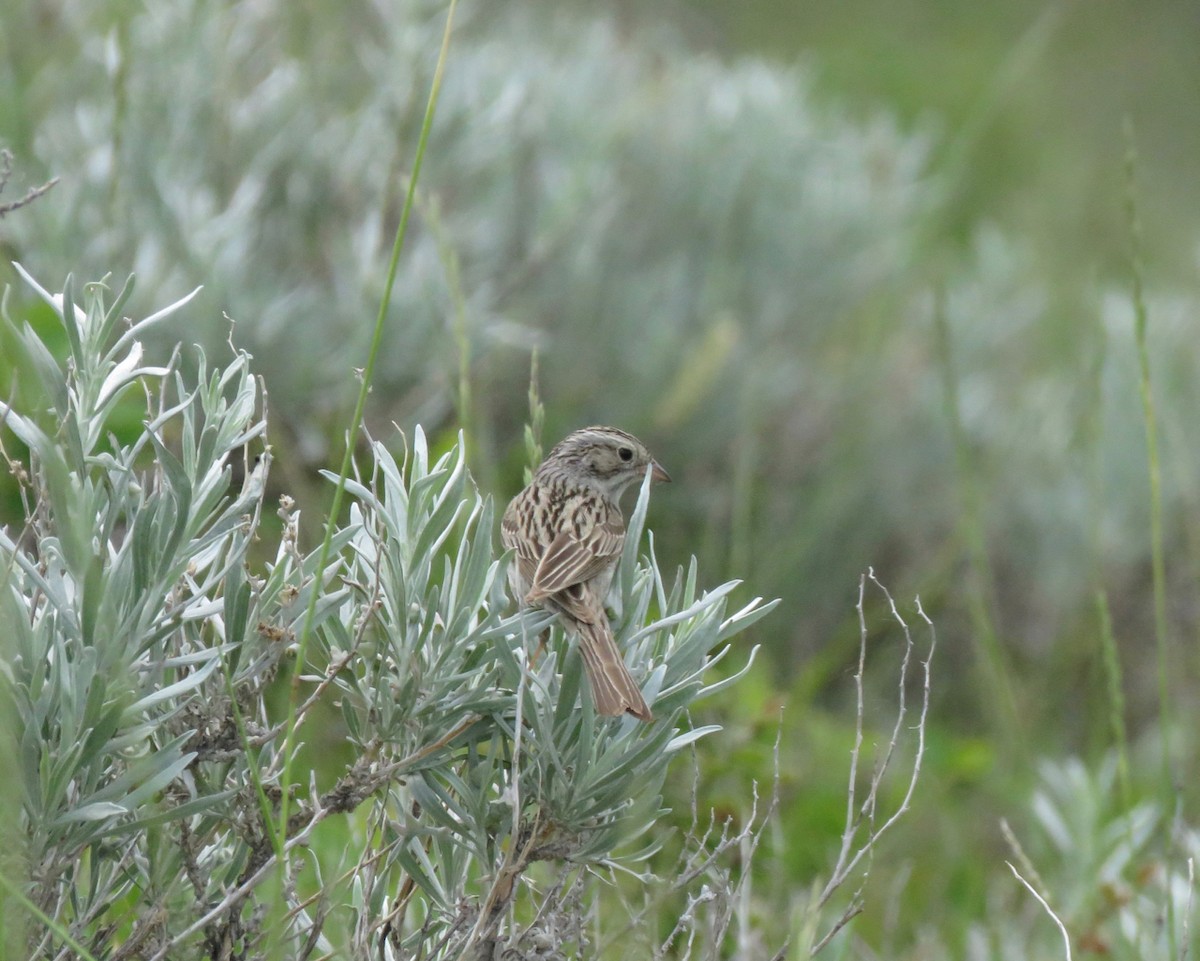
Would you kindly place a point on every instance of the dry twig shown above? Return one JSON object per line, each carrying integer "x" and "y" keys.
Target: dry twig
{"x": 854, "y": 849}
{"x": 1049, "y": 910}
{"x": 31, "y": 195}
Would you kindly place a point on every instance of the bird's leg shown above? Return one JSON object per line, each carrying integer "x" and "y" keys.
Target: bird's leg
{"x": 543, "y": 640}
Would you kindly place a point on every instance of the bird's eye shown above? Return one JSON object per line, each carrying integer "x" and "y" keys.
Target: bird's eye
{"x": 626, "y": 454}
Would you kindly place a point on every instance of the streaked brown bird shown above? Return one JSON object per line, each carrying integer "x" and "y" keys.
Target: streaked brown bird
{"x": 567, "y": 532}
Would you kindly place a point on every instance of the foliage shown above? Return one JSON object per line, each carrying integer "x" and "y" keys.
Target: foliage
{"x": 1102, "y": 870}
{"x": 143, "y": 637}
{"x": 751, "y": 268}
{"x": 668, "y": 231}
{"x": 699, "y": 249}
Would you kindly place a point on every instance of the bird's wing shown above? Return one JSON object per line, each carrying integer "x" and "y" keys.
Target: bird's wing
{"x": 576, "y": 557}
{"x": 525, "y": 551}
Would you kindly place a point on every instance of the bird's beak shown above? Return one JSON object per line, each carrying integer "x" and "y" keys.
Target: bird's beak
{"x": 657, "y": 473}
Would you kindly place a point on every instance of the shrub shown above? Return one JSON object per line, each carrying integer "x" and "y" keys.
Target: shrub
{"x": 145, "y": 632}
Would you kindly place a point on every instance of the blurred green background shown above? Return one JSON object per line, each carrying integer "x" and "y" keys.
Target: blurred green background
{"x": 860, "y": 275}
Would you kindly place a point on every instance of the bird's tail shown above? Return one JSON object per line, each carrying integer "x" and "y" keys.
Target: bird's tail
{"x": 613, "y": 688}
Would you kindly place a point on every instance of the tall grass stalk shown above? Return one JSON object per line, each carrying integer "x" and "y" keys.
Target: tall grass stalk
{"x": 352, "y": 430}
{"x": 460, "y": 331}
{"x": 60, "y": 932}
{"x": 1153, "y": 464}
{"x": 462, "y": 335}
{"x": 1116, "y": 698}
{"x": 1030, "y": 47}
{"x": 1001, "y": 698}
{"x": 1154, "y": 468}
{"x": 537, "y": 420}
{"x": 1116, "y": 717}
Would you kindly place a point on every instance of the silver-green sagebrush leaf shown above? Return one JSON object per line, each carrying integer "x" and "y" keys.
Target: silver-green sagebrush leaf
{"x": 448, "y": 729}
